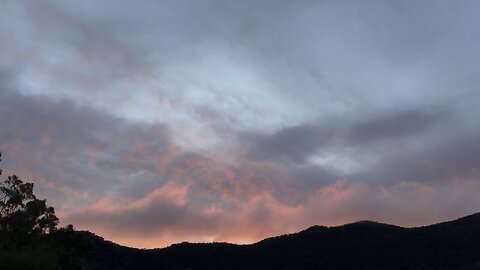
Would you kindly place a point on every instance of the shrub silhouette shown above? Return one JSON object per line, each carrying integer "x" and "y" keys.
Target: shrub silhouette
{"x": 29, "y": 238}
{"x": 21, "y": 211}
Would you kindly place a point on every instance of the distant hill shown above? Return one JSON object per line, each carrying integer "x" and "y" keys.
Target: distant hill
{"x": 360, "y": 245}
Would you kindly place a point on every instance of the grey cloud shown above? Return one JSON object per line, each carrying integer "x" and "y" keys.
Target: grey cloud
{"x": 79, "y": 147}
{"x": 396, "y": 125}
{"x": 66, "y": 148}
{"x": 158, "y": 217}
{"x": 430, "y": 144}
{"x": 295, "y": 144}
{"x": 344, "y": 54}
{"x": 291, "y": 144}
{"x": 458, "y": 159}
{"x": 312, "y": 177}
{"x": 388, "y": 86}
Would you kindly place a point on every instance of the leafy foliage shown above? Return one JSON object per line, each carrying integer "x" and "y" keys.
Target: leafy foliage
{"x": 29, "y": 238}
{"x": 21, "y": 211}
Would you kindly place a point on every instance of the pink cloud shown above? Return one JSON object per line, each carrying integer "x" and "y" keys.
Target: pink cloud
{"x": 262, "y": 215}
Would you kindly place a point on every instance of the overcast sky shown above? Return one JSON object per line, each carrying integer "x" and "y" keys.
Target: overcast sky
{"x": 155, "y": 122}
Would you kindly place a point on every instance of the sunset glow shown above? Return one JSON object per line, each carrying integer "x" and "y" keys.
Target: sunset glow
{"x": 156, "y": 122}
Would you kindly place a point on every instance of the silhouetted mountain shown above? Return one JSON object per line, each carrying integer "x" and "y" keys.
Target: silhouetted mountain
{"x": 360, "y": 245}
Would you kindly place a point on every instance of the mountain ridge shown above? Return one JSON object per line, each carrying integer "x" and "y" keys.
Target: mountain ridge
{"x": 474, "y": 216}
{"x": 359, "y": 245}
{"x": 452, "y": 244}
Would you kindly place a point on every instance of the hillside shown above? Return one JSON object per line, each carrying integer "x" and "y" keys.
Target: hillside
{"x": 360, "y": 245}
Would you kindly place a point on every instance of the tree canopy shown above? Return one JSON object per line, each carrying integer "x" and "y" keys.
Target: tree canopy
{"x": 21, "y": 211}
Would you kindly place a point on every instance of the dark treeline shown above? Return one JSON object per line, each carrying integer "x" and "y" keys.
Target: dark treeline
{"x": 360, "y": 245}
{"x": 30, "y": 239}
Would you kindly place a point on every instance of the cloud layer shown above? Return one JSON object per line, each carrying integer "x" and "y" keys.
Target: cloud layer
{"x": 156, "y": 123}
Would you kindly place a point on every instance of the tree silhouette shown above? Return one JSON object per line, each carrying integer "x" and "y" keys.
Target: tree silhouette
{"x": 21, "y": 211}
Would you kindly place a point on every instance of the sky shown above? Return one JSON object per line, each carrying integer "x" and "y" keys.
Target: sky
{"x": 156, "y": 122}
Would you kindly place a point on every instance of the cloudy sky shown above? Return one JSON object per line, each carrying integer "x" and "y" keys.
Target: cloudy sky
{"x": 155, "y": 122}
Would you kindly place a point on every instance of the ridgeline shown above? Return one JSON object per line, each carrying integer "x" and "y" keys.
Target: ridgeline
{"x": 30, "y": 240}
